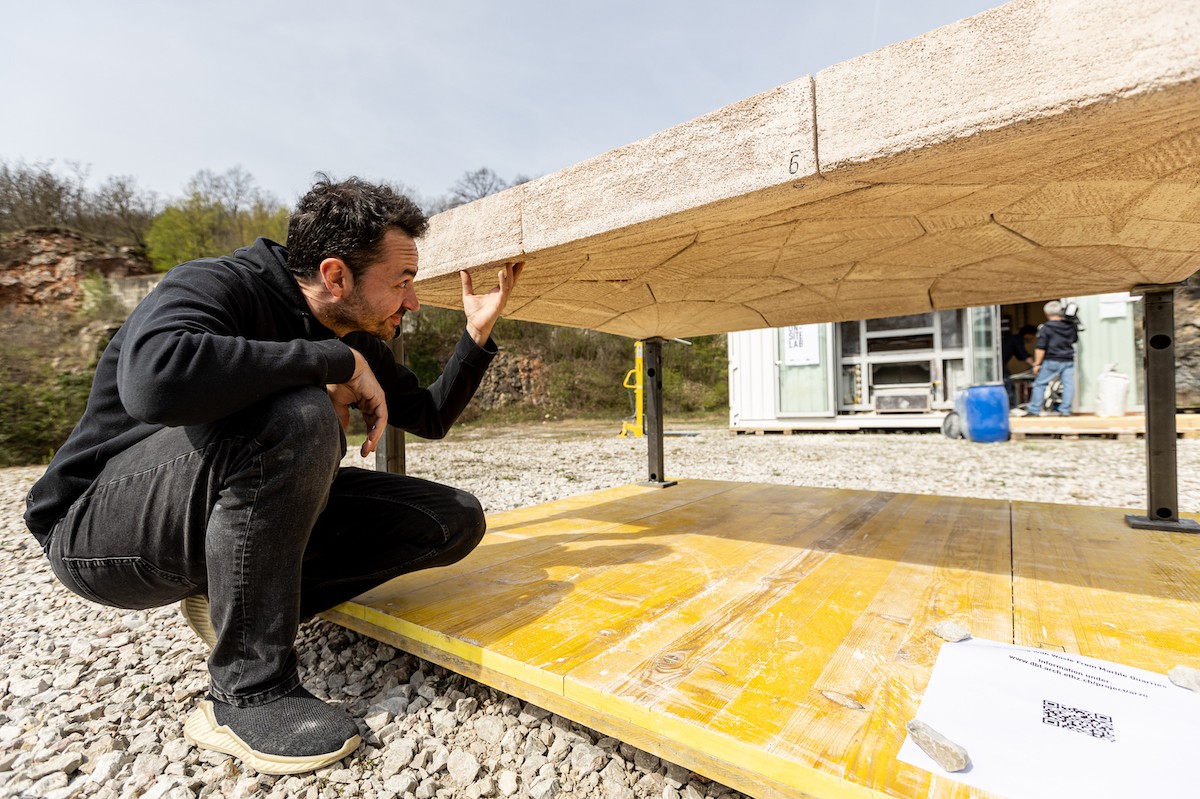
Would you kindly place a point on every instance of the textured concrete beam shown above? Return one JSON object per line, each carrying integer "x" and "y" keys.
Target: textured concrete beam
{"x": 1040, "y": 149}
{"x": 1024, "y": 61}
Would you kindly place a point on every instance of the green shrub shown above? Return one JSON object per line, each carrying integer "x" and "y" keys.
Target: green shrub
{"x": 39, "y": 415}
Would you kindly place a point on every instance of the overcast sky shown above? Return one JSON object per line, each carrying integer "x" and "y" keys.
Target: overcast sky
{"x": 402, "y": 91}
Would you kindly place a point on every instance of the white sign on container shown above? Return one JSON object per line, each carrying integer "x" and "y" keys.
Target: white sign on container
{"x": 1114, "y": 306}
{"x": 802, "y": 345}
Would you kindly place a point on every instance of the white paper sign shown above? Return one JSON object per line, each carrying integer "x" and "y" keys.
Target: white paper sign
{"x": 802, "y": 345}
{"x": 1114, "y": 306}
{"x": 1040, "y": 723}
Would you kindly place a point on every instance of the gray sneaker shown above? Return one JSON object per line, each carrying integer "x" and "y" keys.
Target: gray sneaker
{"x": 196, "y": 614}
{"x": 292, "y": 735}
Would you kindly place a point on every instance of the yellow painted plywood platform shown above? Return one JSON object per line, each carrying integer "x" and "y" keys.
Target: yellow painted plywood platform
{"x": 777, "y": 638}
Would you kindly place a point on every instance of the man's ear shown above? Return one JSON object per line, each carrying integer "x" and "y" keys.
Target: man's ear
{"x": 336, "y": 276}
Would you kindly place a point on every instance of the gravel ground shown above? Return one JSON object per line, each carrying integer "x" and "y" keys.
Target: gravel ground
{"x": 92, "y": 699}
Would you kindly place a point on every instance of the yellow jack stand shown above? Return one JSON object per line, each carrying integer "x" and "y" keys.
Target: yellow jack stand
{"x": 636, "y": 426}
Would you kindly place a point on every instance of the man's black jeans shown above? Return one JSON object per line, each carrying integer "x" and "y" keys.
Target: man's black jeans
{"x": 255, "y": 511}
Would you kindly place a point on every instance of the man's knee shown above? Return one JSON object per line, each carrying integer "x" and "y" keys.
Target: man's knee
{"x": 301, "y": 422}
{"x": 466, "y": 525}
{"x": 306, "y": 412}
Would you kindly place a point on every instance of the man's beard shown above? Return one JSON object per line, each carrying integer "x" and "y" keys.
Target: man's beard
{"x": 348, "y": 316}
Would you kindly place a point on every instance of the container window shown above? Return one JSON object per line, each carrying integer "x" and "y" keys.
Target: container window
{"x": 908, "y": 343}
{"x": 955, "y": 370}
{"x": 908, "y": 322}
{"x": 951, "y": 323}
{"x": 900, "y": 374}
{"x": 848, "y": 332}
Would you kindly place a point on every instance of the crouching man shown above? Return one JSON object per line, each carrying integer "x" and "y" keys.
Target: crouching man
{"x": 206, "y": 468}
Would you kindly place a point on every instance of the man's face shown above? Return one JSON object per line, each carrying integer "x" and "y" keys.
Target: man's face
{"x": 384, "y": 292}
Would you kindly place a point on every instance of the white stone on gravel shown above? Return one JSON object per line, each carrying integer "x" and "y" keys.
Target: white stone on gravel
{"x": 586, "y": 758}
{"x": 438, "y": 760}
{"x": 74, "y": 788}
{"x": 398, "y": 755}
{"x": 149, "y": 764}
{"x": 507, "y": 782}
{"x": 67, "y": 763}
{"x": 401, "y": 783}
{"x": 163, "y": 788}
{"x": 107, "y": 766}
{"x": 48, "y": 783}
{"x": 462, "y": 767}
{"x": 465, "y": 709}
{"x": 377, "y": 718}
{"x": 532, "y": 765}
{"x": 545, "y": 788}
{"x": 28, "y": 688}
{"x": 490, "y": 728}
{"x": 343, "y": 776}
{"x": 485, "y": 788}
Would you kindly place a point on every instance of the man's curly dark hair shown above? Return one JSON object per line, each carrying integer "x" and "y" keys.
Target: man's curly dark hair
{"x": 347, "y": 220}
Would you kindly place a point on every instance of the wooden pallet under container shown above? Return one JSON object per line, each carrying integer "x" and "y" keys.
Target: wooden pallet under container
{"x": 1124, "y": 428}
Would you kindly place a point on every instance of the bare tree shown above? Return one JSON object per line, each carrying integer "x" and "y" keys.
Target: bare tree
{"x": 123, "y": 210}
{"x": 33, "y": 195}
{"x": 474, "y": 185}
{"x": 37, "y": 195}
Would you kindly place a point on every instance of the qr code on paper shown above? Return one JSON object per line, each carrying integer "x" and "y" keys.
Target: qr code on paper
{"x": 1073, "y": 718}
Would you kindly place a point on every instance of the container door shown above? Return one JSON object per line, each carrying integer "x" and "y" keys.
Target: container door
{"x": 985, "y": 344}
{"x": 805, "y": 368}
{"x": 1106, "y": 339}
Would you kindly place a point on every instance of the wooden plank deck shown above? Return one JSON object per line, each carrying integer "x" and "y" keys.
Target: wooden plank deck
{"x": 733, "y": 628}
{"x": 1124, "y": 428}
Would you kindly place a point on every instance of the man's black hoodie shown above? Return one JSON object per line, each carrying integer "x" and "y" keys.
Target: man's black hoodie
{"x": 1057, "y": 337}
{"x": 215, "y": 337}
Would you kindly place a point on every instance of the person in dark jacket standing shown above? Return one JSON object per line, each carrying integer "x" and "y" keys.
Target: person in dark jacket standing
{"x": 1054, "y": 357}
{"x": 206, "y": 467}
{"x": 1012, "y": 347}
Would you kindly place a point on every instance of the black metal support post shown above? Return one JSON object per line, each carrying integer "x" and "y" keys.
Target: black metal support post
{"x": 389, "y": 455}
{"x": 652, "y": 386}
{"x": 1162, "y": 512}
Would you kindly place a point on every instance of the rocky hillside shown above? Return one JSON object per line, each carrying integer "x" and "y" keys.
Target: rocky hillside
{"x": 1187, "y": 344}
{"x": 514, "y": 379}
{"x": 47, "y": 268}
{"x": 44, "y": 266}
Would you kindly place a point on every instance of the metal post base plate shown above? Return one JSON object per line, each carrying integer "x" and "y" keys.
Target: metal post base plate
{"x": 658, "y": 483}
{"x": 1171, "y": 525}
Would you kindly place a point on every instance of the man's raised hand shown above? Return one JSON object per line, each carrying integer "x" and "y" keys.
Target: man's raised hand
{"x": 484, "y": 309}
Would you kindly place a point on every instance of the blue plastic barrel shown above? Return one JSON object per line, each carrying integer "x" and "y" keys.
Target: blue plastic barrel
{"x": 984, "y": 413}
